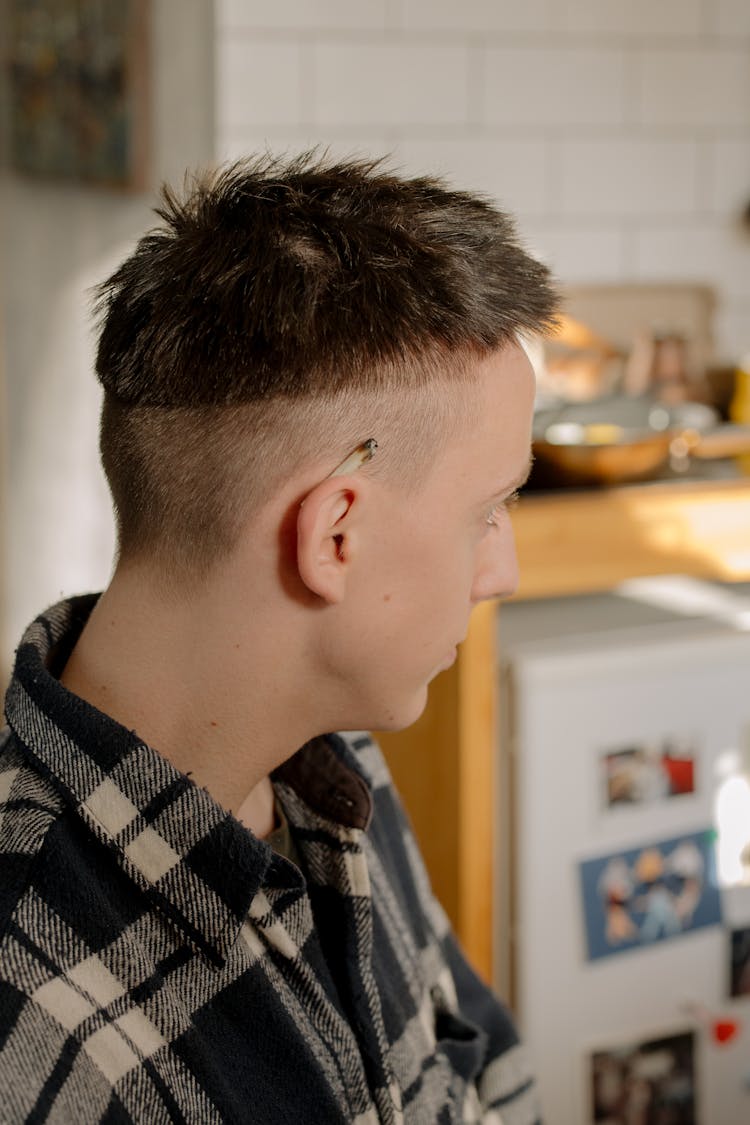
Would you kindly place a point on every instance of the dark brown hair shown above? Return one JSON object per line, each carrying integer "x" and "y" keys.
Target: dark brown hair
{"x": 273, "y": 282}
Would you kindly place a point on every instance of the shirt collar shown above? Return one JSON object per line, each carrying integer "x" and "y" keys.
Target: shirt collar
{"x": 197, "y": 864}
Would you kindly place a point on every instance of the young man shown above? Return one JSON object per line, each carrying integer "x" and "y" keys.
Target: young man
{"x": 315, "y": 412}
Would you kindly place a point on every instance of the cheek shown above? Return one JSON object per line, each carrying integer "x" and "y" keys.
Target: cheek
{"x": 420, "y": 577}
{"x": 445, "y": 589}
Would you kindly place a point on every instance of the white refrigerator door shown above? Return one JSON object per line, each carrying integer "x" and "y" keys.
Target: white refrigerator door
{"x": 566, "y": 704}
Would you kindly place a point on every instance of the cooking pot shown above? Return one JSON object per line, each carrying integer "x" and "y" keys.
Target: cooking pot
{"x": 617, "y": 439}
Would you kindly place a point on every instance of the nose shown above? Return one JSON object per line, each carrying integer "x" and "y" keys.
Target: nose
{"x": 496, "y": 573}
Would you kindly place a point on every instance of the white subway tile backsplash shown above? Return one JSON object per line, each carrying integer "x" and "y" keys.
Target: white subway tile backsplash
{"x": 630, "y": 17}
{"x": 730, "y": 17}
{"x": 552, "y": 87}
{"x": 258, "y": 83}
{"x": 697, "y": 252}
{"x": 512, "y": 172}
{"x": 618, "y": 131}
{"x": 706, "y": 87}
{"x": 729, "y": 177}
{"x": 390, "y": 84}
{"x": 685, "y": 252}
{"x": 478, "y": 15}
{"x": 627, "y": 177}
{"x": 235, "y": 145}
{"x": 297, "y": 15}
{"x": 581, "y": 253}
{"x": 732, "y": 330}
{"x": 394, "y": 14}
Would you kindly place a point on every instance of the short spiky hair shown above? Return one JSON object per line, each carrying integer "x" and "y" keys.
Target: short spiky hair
{"x": 296, "y": 278}
{"x": 272, "y": 293}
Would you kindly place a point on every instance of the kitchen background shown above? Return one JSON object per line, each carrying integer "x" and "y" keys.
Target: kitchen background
{"x": 618, "y": 133}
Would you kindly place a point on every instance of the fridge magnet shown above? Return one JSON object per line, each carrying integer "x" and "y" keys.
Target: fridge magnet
{"x": 719, "y": 1029}
{"x": 77, "y": 88}
{"x": 739, "y": 966}
{"x": 643, "y": 773}
{"x": 649, "y": 1081}
{"x": 636, "y": 898}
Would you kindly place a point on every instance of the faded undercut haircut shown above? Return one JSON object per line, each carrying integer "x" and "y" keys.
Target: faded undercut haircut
{"x": 281, "y": 308}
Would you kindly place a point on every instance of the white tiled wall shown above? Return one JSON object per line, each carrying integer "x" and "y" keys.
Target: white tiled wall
{"x": 543, "y": 87}
{"x": 730, "y": 17}
{"x": 703, "y": 87}
{"x": 618, "y": 131}
{"x": 388, "y": 83}
{"x": 57, "y": 241}
{"x": 642, "y": 18}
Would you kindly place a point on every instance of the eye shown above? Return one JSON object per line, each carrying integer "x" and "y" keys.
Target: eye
{"x": 502, "y": 508}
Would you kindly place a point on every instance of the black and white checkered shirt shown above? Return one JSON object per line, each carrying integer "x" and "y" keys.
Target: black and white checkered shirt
{"x": 159, "y": 963}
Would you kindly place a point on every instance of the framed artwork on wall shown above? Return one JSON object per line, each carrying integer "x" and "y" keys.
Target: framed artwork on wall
{"x": 78, "y": 86}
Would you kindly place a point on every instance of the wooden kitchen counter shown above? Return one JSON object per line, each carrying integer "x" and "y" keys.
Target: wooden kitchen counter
{"x": 568, "y": 543}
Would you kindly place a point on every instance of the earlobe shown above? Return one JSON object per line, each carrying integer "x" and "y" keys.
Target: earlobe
{"x": 324, "y": 539}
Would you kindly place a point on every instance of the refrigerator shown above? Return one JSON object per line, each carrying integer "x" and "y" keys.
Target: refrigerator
{"x": 622, "y": 932}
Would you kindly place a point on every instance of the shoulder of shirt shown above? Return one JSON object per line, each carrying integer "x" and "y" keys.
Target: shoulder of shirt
{"x": 29, "y": 806}
{"x": 395, "y": 824}
{"x": 368, "y": 757}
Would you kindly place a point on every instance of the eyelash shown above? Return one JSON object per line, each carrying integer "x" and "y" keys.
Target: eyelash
{"x": 500, "y": 509}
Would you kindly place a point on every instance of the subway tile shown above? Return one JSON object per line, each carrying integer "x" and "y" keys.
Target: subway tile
{"x": 714, "y": 252}
{"x": 732, "y": 331}
{"x": 390, "y": 84}
{"x": 578, "y": 253}
{"x": 707, "y": 87}
{"x": 729, "y": 177}
{"x": 630, "y": 17}
{"x": 729, "y": 17}
{"x": 685, "y": 251}
{"x": 477, "y": 15}
{"x": 299, "y": 15}
{"x": 394, "y": 14}
{"x": 627, "y": 176}
{"x": 512, "y": 172}
{"x": 554, "y": 86}
{"x": 233, "y": 145}
{"x": 258, "y": 83}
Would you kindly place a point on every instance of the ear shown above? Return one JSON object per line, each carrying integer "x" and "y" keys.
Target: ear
{"x": 326, "y": 537}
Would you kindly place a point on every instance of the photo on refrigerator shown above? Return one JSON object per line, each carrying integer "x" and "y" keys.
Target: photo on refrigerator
{"x": 739, "y": 965}
{"x": 648, "y": 772}
{"x": 661, "y": 890}
{"x": 650, "y": 1082}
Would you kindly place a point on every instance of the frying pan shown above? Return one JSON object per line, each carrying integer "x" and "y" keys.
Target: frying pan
{"x": 615, "y": 440}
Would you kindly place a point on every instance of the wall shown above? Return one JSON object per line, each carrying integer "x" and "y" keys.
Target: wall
{"x": 58, "y": 240}
{"x": 617, "y": 130}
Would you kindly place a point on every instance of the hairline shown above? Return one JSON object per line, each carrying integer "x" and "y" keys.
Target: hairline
{"x": 384, "y": 413}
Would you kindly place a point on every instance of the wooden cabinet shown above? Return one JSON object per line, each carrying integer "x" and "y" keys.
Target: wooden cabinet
{"x": 567, "y": 544}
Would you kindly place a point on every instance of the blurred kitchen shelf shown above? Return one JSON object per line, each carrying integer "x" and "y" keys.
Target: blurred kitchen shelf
{"x": 568, "y": 543}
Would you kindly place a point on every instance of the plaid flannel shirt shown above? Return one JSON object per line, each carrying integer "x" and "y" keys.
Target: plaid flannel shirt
{"x": 159, "y": 963}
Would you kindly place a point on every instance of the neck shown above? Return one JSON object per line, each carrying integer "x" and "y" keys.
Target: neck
{"x": 193, "y": 681}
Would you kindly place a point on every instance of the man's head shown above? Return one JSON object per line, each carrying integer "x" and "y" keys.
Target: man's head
{"x": 281, "y": 314}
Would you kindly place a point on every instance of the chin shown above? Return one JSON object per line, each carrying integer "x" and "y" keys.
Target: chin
{"x": 401, "y": 717}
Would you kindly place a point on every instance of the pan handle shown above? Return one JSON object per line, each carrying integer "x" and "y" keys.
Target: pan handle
{"x": 727, "y": 440}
